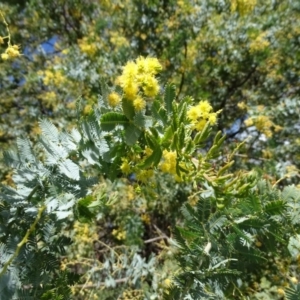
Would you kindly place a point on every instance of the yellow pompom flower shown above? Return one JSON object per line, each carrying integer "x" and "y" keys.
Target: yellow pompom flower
{"x": 154, "y": 65}
{"x": 87, "y": 109}
{"x": 167, "y": 282}
{"x": 139, "y": 103}
{"x": 150, "y": 86}
{"x": 201, "y": 110}
{"x": 131, "y": 89}
{"x": 200, "y": 114}
{"x": 281, "y": 292}
{"x": 294, "y": 280}
{"x": 130, "y": 70}
{"x": 125, "y": 167}
{"x": 142, "y": 65}
{"x": 169, "y": 162}
{"x": 248, "y": 122}
{"x": 148, "y": 151}
{"x": 212, "y": 118}
{"x": 204, "y": 107}
{"x": 193, "y": 113}
{"x": 139, "y": 76}
{"x": 13, "y": 51}
{"x": 200, "y": 125}
{"x": 148, "y": 65}
{"x": 4, "y": 56}
{"x": 113, "y": 99}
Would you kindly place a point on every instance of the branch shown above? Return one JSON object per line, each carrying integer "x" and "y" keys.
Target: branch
{"x": 156, "y": 239}
{"x": 24, "y": 240}
{"x": 234, "y": 87}
{"x": 96, "y": 285}
{"x": 7, "y": 28}
{"x": 231, "y": 91}
{"x": 255, "y": 158}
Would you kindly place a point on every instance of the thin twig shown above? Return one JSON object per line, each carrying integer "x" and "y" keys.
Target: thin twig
{"x": 96, "y": 285}
{"x": 24, "y": 240}
{"x": 156, "y": 239}
{"x": 256, "y": 158}
{"x": 7, "y": 28}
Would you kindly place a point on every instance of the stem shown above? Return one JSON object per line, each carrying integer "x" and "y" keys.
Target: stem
{"x": 24, "y": 240}
{"x": 7, "y": 28}
{"x": 279, "y": 180}
{"x": 156, "y": 239}
{"x": 96, "y": 285}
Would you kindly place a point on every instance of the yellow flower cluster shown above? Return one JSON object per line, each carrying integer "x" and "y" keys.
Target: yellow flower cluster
{"x": 125, "y": 166}
{"x": 113, "y": 99}
{"x": 49, "y": 99}
{"x": 144, "y": 175}
{"x": 263, "y": 124}
{"x": 167, "y": 282}
{"x": 138, "y": 80}
{"x": 12, "y": 51}
{"x": 83, "y": 236}
{"x": 146, "y": 218}
{"x": 87, "y": 46}
{"x": 281, "y": 292}
{"x": 259, "y": 43}
{"x": 242, "y": 105}
{"x": 148, "y": 151}
{"x": 53, "y": 77}
{"x": 118, "y": 40}
{"x": 200, "y": 114}
{"x": 132, "y": 295}
{"x": 119, "y": 234}
{"x": 87, "y": 109}
{"x": 243, "y": 6}
{"x": 169, "y": 162}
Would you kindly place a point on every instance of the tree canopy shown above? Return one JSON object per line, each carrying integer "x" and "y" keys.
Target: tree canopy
{"x": 150, "y": 148}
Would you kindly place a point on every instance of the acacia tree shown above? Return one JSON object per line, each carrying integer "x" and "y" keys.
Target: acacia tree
{"x": 238, "y": 55}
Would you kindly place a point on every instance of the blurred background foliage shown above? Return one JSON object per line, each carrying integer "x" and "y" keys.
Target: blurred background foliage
{"x": 242, "y": 56}
{"x": 243, "y": 59}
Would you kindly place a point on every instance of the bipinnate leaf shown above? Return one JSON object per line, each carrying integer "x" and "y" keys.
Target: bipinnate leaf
{"x": 132, "y": 134}
{"x": 49, "y": 130}
{"x": 128, "y": 108}
{"x": 293, "y": 293}
{"x": 110, "y": 120}
{"x": 70, "y": 169}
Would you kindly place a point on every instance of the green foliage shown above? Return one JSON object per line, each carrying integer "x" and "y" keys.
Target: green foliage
{"x": 219, "y": 247}
{"x": 293, "y": 293}
{"x": 148, "y": 198}
{"x": 232, "y": 224}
